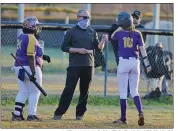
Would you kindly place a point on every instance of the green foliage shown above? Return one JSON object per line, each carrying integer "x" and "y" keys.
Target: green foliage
{"x": 94, "y": 100}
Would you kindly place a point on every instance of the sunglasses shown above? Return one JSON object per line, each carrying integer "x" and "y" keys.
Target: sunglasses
{"x": 135, "y": 17}
{"x": 85, "y": 17}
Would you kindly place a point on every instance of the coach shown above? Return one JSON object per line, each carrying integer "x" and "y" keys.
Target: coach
{"x": 80, "y": 42}
{"x": 137, "y": 17}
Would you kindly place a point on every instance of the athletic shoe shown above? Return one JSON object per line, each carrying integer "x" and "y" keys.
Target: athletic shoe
{"x": 119, "y": 121}
{"x": 17, "y": 118}
{"x": 141, "y": 119}
{"x": 32, "y": 118}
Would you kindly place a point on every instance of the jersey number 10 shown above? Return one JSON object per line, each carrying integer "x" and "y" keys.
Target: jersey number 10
{"x": 128, "y": 42}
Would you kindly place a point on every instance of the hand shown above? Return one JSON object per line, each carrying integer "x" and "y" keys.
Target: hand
{"x": 148, "y": 69}
{"x": 147, "y": 64}
{"x": 33, "y": 77}
{"x": 105, "y": 37}
{"x": 82, "y": 51}
{"x": 47, "y": 58}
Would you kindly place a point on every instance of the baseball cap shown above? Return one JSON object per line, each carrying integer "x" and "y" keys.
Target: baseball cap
{"x": 137, "y": 13}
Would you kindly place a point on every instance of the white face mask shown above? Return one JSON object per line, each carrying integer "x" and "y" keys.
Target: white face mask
{"x": 83, "y": 23}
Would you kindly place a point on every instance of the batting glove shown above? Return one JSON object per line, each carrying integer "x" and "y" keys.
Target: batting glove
{"x": 33, "y": 77}
{"x": 47, "y": 58}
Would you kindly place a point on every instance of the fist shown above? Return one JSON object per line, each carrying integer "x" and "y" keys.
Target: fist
{"x": 33, "y": 77}
{"x": 105, "y": 37}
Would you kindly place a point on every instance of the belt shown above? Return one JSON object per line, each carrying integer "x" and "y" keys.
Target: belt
{"x": 127, "y": 57}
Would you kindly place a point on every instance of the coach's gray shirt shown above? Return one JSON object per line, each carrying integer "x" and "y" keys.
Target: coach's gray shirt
{"x": 80, "y": 38}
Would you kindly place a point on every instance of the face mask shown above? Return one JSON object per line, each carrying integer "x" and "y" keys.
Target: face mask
{"x": 83, "y": 23}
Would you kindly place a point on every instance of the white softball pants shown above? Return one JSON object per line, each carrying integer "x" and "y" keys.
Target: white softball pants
{"x": 128, "y": 70}
{"x": 28, "y": 90}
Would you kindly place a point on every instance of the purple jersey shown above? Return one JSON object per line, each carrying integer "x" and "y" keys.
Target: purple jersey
{"x": 128, "y": 42}
{"x": 27, "y": 45}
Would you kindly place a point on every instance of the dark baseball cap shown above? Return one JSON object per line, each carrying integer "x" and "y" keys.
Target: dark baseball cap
{"x": 137, "y": 13}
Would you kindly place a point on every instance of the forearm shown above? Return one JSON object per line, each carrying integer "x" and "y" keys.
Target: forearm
{"x": 65, "y": 48}
{"x": 101, "y": 44}
{"x": 31, "y": 62}
{"x": 74, "y": 50}
{"x": 143, "y": 51}
{"x": 144, "y": 56}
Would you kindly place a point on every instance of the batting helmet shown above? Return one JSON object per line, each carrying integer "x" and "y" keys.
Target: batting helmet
{"x": 31, "y": 22}
{"x": 125, "y": 20}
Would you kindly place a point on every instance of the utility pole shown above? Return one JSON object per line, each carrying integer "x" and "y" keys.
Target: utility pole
{"x": 156, "y": 19}
{"x": 88, "y": 8}
{"x": 20, "y": 16}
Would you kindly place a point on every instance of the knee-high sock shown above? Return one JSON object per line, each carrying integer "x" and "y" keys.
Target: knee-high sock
{"x": 19, "y": 108}
{"x": 123, "y": 105}
{"x": 138, "y": 104}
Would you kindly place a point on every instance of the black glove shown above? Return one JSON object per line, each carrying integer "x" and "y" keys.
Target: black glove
{"x": 33, "y": 77}
{"x": 46, "y": 58}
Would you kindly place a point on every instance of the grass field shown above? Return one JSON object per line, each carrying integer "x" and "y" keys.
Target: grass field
{"x": 101, "y": 110}
{"x": 95, "y": 117}
{"x": 100, "y": 114}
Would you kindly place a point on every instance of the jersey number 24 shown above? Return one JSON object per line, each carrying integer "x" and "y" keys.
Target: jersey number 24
{"x": 128, "y": 42}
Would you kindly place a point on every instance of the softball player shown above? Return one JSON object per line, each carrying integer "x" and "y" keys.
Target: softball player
{"x": 29, "y": 53}
{"x": 129, "y": 42}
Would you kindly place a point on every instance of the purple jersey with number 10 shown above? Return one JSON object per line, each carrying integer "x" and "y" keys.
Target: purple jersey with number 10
{"x": 128, "y": 42}
{"x": 27, "y": 45}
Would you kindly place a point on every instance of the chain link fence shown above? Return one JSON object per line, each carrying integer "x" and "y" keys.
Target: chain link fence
{"x": 54, "y": 73}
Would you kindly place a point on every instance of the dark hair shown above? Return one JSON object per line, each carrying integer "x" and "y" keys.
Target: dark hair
{"x": 37, "y": 36}
{"x": 130, "y": 34}
{"x": 28, "y": 31}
